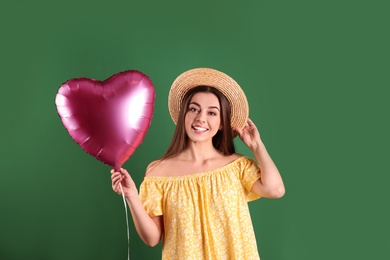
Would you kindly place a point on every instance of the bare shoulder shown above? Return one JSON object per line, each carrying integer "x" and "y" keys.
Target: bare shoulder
{"x": 159, "y": 167}
{"x": 235, "y": 156}
{"x": 151, "y": 169}
{"x": 231, "y": 158}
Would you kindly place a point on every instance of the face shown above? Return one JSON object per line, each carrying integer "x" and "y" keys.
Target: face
{"x": 203, "y": 117}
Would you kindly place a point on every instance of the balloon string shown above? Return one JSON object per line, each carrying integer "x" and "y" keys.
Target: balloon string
{"x": 127, "y": 223}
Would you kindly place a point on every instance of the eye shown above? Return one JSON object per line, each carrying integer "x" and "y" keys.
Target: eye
{"x": 211, "y": 113}
{"x": 193, "y": 109}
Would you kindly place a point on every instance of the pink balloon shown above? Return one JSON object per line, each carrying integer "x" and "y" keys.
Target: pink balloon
{"x": 108, "y": 119}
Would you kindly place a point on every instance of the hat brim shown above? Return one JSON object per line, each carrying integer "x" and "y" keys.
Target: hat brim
{"x": 212, "y": 78}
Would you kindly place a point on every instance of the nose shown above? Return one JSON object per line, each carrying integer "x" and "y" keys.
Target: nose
{"x": 201, "y": 117}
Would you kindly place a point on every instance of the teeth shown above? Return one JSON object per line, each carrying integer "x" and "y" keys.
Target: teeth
{"x": 200, "y": 128}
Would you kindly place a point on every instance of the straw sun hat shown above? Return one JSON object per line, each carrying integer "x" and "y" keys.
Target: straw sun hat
{"x": 212, "y": 78}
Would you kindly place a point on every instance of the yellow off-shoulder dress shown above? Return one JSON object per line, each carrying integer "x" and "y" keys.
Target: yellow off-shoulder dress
{"x": 206, "y": 215}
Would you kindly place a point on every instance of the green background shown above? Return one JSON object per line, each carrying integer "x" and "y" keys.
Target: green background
{"x": 316, "y": 74}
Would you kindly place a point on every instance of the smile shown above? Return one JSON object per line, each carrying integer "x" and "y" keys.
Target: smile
{"x": 198, "y": 128}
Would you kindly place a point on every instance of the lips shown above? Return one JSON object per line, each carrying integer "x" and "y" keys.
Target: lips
{"x": 199, "y": 128}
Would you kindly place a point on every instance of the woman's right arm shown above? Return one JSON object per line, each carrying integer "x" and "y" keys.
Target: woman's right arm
{"x": 150, "y": 229}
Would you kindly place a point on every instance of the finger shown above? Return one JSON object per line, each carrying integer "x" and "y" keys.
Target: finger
{"x": 115, "y": 175}
{"x": 124, "y": 171}
{"x": 251, "y": 124}
{"x": 113, "y": 172}
{"x": 115, "y": 187}
{"x": 116, "y": 179}
{"x": 239, "y": 131}
{"x": 125, "y": 174}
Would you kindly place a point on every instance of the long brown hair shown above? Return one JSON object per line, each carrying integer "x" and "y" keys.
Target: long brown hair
{"x": 222, "y": 140}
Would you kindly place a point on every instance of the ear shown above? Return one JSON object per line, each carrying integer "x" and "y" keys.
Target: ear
{"x": 220, "y": 127}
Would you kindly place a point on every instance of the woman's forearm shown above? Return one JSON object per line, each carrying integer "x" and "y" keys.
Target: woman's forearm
{"x": 148, "y": 228}
{"x": 271, "y": 183}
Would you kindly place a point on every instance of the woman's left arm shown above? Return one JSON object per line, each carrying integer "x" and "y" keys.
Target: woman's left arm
{"x": 270, "y": 185}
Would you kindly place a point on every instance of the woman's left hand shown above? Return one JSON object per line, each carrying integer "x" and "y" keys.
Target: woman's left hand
{"x": 249, "y": 135}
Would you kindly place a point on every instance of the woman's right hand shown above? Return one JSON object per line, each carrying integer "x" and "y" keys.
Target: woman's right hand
{"x": 124, "y": 178}
{"x": 149, "y": 228}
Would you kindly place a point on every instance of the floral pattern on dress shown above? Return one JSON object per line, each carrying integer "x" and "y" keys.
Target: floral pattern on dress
{"x": 206, "y": 215}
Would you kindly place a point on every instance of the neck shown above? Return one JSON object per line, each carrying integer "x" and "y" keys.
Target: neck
{"x": 199, "y": 152}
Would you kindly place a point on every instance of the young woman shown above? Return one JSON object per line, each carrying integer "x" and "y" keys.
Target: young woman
{"x": 195, "y": 197}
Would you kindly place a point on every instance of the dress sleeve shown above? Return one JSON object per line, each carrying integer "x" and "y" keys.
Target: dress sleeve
{"x": 151, "y": 197}
{"x": 249, "y": 174}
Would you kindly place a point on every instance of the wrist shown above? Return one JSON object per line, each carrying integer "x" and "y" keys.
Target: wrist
{"x": 257, "y": 147}
{"x": 132, "y": 194}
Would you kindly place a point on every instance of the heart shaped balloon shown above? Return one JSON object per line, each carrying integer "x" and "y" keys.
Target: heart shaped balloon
{"x": 108, "y": 119}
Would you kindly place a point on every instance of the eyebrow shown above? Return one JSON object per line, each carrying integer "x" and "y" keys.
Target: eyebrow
{"x": 194, "y": 103}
